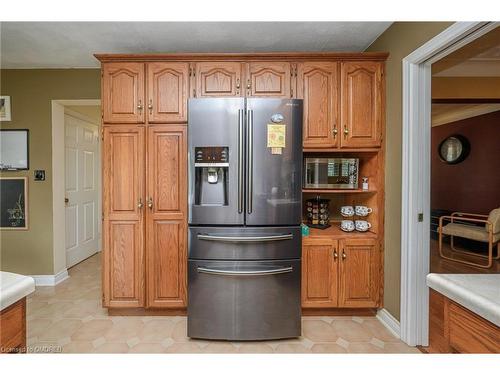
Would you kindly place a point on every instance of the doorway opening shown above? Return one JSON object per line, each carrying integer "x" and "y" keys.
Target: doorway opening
{"x": 76, "y": 168}
{"x": 416, "y": 142}
{"x": 465, "y": 201}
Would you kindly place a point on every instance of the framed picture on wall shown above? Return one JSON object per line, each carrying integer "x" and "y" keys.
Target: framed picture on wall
{"x": 14, "y": 207}
{"x": 14, "y": 149}
{"x": 5, "y": 108}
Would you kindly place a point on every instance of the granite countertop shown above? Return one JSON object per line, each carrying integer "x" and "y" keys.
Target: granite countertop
{"x": 13, "y": 287}
{"x": 480, "y": 293}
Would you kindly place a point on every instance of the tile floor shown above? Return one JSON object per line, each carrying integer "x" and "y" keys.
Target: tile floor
{"x": 69, "y": 318}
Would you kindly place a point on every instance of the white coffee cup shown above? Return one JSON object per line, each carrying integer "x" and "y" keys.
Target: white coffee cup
{"x": 347, "y": 211}
{"x": 362, "y": 210}
{"x": 362, "y": 225}
{"x": 347, "y": 225}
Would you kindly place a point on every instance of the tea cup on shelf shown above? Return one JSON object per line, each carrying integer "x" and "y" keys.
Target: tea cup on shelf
{"x": 347, "y": 211}
{"x": 362, "y": 225}
{"x": 347, "y": 225}
{"x": 362, "y": 210}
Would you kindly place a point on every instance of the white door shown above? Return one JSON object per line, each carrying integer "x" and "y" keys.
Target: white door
{"x": 82, "y": 189}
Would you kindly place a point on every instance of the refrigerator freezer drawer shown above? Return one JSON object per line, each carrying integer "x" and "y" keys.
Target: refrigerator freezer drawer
{"x": 245, "y": 243}
{"x": 244, "y": 300}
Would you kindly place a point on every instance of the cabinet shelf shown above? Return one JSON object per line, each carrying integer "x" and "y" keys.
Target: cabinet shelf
{"x": 339, "y": 191}
{"x": 335, "y": 232}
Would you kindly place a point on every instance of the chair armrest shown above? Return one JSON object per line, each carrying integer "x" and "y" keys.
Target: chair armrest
{"x": 467, "y": 214}
{"x": 451, "y": 217}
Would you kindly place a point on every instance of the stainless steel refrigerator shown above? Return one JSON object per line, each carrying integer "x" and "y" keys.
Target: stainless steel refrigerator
{"x": 245, "y": 209}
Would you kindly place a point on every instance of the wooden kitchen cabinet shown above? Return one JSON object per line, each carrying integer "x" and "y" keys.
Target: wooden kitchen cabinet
{"x": 123, "y": 223}
{"x": 319, "y": 273}
{"x": 218, "y": 78}
{"x": 317, "y": 85}
{"x": 361, "y": 104}
{"x": 166, "y": 248}
{"x": 168, "y": 90}
{"x": 123, "y": 92}
{"x": 359, "y": 273}
{"x": 268, "y": 79}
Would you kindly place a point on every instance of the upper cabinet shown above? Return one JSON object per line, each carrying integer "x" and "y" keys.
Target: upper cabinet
{"x": 361, "y": 104}
{"x": 123, "y": 92}
{"x": 269, "y": 79}
{"x": 317, "y": 86}
{"x": 217, "y": 79}
{"x": 167, "y": 92}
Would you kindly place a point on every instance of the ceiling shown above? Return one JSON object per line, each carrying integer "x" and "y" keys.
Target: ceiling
{"x": 445, "y": 113}
{"x": 480, "y": 58}
{"x": 72, "y": 44}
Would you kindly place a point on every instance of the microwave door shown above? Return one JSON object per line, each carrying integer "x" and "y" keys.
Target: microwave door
{"x": 274, "y": 178}
{"x": 215, "y": 157}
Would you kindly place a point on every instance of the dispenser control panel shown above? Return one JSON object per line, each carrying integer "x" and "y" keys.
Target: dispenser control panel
{"x": 211, "y": 156}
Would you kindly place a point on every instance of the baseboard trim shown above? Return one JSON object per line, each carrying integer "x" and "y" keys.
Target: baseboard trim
{"x": 50, "y": 280}
{"x": 390, "y": 322}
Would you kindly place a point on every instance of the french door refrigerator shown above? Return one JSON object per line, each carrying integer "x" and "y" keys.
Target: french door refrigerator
{"x": 245, "y": 209}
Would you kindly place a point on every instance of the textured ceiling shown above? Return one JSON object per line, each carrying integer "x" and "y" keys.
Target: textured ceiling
{"x": 72, "y": 44}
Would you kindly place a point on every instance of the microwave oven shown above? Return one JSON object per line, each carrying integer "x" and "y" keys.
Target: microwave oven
{"x": 331, "y": 173}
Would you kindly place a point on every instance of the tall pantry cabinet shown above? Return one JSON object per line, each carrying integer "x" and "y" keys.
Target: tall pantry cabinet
{"x": 144, "y": 184}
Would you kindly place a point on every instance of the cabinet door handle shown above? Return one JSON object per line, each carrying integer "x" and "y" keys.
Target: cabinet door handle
{"x": 249, "y": 86}
{"x": 335, "y": 131}
{"x": 139, "y": 106}
{"x": 343, "y": 255}
{"x": 150, "y": 106}
{"x": 238, "y": 83}
{"x": 346, "y": 131}
{"x": 335, "y": 255}
{"x": 150, "y": 202}
{"x": 139, "y": 203}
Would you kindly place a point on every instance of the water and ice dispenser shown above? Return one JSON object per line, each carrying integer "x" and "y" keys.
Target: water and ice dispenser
{"x": 211, "y": 176}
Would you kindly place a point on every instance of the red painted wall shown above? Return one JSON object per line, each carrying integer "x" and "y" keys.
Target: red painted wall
{"x": 474, "y": 184}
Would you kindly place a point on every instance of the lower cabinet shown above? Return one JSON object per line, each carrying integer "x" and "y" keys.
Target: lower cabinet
{"x": 144, "y": 216}
{"x": 320, "y": 273}
{"x": 340, "y": 273}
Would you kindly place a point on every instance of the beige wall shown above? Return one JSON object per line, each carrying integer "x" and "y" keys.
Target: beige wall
{"x": 31, "y": 91}
{"x": 399, "y": 40}
{"x": 465, "y": 87}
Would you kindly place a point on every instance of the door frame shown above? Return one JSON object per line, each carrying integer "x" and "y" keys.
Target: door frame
{"x": 59, "y": 180}
{"x": 415, "y": 233}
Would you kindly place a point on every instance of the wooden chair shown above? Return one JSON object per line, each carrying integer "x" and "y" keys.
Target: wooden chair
{"x": 490, "y": 234}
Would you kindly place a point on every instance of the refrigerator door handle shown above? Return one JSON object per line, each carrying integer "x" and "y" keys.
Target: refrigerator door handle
{"x": 249, "y": 160}
{"x": 240, "y": 161}
{"x": 275, "y": 271}
{"x": 279, "y": 237}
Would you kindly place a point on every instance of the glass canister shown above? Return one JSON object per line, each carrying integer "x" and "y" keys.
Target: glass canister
{"x": 317, "y": 213}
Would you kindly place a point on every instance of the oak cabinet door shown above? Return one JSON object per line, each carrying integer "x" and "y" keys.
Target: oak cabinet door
{"x": 269, "y": 79}
{"x": 319, "y": 273}
{"x": 123, "y": 224}
{"x": 166, "y": 218}
{"x": 218, "y": 79}
{"x": 359, "y": 273}
{"x": 123, "y": 92}
{"x": 361, "y": 104}
{"x": 168, "y": 88}
{"x": 317, "y": 85}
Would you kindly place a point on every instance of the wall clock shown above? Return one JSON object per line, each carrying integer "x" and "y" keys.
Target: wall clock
{"x": 454, "y": 149}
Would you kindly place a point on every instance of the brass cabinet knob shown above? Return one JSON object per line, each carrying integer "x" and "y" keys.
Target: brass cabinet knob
{"x": 238, "y": 83}
{"x": 343, "y": 255}
{"x": 248, "y": 84}
{"x": 346, "y": 131}
{"x": 150, "y": 106}
{"x": 335, "y": 131}
{"x": 139, "y": 106}
{"x": 140, "y": 204}
{"x": 335, "y": 255}
{"x": 150, "y": 202}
